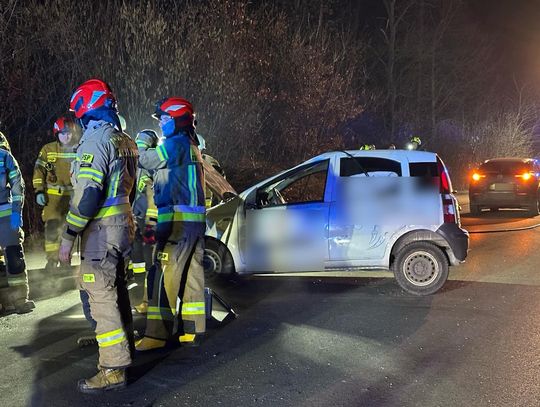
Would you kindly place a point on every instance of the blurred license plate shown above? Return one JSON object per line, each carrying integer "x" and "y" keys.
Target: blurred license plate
{"x": 502, "y": 187}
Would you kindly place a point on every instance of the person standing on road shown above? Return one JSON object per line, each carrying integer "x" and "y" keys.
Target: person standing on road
{"x": 179, "y": 197}
{"x": 104, "y": 174}
{"x": 52, "y": 183}
{"x": 12, "y": 236}
{"x": 145, "y": 212}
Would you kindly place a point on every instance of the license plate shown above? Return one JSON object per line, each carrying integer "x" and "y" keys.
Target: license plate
{"x": 501, "y": 187}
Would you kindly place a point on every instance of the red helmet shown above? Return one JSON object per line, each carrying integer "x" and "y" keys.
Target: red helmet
{"x": 178, "y": 108}
{"x": 61, "y": 124}
{"x": 91, "y": 95}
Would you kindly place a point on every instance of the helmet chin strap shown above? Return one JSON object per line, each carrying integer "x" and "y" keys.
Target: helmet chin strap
{"x": 106, "y": 114}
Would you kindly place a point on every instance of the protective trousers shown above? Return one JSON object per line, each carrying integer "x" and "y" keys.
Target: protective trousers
{"x": 16, "y": 279}
{"x": 141, "y": 258}
{"x": 53, "y": 216}
{"x": 103, "y": 277}
{"x": 177, "y": 274}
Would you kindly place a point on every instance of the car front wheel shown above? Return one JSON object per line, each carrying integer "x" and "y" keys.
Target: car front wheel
{"x": 420, "y": 268}
{"x": 217, "y": 261}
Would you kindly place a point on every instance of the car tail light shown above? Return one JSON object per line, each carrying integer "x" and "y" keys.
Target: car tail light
{"x": 477, "y": 177}
{"x": 448, "y": 203}
{"x": 526, "y": 176}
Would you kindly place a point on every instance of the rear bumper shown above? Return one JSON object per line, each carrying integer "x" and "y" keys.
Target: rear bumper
{"x": 458, "y": 242}
{"x": 501, "y": 199}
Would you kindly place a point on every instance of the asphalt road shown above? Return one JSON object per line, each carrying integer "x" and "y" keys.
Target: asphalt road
{"x": 319, "y": 341}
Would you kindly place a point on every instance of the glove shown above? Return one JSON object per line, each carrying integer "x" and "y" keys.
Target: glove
{"x": 64, "y": 254}
{"x": 40, "y": 199}
{"x": 147, "y": 139}
{"x": 149, "y": 235}
{"x": 16, "y": 220}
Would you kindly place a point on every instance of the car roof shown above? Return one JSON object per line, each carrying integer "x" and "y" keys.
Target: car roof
{"x": 398, "y": 155}
{"x": 509, "y": 159}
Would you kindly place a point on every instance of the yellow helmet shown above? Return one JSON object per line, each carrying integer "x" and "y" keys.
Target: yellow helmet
{"x": 367, "y": 147}
{"x": 4, "y": 143}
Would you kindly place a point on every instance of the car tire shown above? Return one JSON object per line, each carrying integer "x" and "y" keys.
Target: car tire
{"x": 534, "y": 208}
{"x": 420, "y": 268}
{"x": 475, "y": 209}
{"x": 217, "y": 262}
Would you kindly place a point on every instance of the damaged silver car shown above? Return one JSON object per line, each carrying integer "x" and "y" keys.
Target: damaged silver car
{"x": 346, "y": 210}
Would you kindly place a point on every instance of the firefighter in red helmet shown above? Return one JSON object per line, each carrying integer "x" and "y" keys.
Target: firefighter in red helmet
{"x": 52, "y": 183}
{"x": 177, "y": 272}
{"x": 103, "y": 177}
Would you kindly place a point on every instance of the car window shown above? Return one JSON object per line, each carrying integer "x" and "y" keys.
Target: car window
{"x": 306, "y": 184}
{"x": 350, "y": 167}
{"x": 426, "y": 169}
{"x": 505, "y": 167}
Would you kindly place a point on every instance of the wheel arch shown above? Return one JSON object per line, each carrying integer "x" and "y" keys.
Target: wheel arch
{"x": 219, "y": 243}
{"x": 421, "y": 235}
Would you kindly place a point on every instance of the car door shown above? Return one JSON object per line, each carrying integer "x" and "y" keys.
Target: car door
{"x": 364, "y": 198}
{"x": 287, "y": 229}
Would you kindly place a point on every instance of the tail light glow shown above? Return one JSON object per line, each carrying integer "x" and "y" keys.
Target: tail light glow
{"x": 526, "y": 176}
{"x": 477, "y": 177}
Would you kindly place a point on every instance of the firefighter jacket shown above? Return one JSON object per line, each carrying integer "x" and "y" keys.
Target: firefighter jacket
{"x": 104, "y": 175}
{"x": 178, "y": 179}
{"x": 52, "y": 169}
{"x": 11, "y": 184}
{"x": 144, "y": 208}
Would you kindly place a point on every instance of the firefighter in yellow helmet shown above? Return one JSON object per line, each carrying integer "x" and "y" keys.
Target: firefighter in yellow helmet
{"x": 104, "y": 175}
{"x": 367, "y": 147}
{"x": 14, "y": 284}
{"x": 211, "y": 198}
{"x": 52, "y": 183}
{"x": 414, "y": 143}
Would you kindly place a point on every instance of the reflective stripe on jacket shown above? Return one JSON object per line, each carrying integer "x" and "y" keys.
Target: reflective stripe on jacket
{"x": 104, "y": 174}
{"x": 178, "y": 179}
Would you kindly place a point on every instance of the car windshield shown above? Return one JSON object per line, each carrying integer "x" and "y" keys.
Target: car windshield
{"x": 505, "y": 167}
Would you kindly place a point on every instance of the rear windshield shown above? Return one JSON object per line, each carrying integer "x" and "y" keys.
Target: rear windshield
{"x": 505, "y": 167}
{"x": 358, "y": 165}
{"x": 428, "y": 169}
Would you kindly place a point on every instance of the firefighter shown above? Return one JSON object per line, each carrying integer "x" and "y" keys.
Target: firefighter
{"x": 414, "y": 143}
{"x": 211, "y": 199}
{"x": 104, "y": 174}
{"x": 11, "y": 239}
{"x": 179, "y": 196}
{"x": 52, "y": 184}
{"x": 145, "y": 212}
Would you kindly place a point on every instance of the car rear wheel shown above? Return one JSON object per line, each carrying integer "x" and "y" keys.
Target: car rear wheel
{"x": 217, "y": 262}
{"x": 420, "y": 268}
{"x": 534, "y": 208}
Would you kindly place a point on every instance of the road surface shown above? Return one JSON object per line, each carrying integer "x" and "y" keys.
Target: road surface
{"x": 319, "y": 341}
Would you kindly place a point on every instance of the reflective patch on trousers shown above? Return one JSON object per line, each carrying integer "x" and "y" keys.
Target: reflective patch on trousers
{"x": 111, "y": 338}
{"x": 162, "y": 256}
{"x": 89, "y": 278}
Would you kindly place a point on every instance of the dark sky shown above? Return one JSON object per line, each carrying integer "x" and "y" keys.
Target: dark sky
{"x": 515, "y": 27}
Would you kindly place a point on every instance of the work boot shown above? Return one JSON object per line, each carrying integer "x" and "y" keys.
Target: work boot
{"x": 51, "y": 265}
{"x": 105, "y": 379}
{"x": 86, "y": 340}
{"x": 189, "y": 340}
{"x": 146, "y": 344}
{"x": 142, "y": 308}
{"x": 24, "y": 307}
